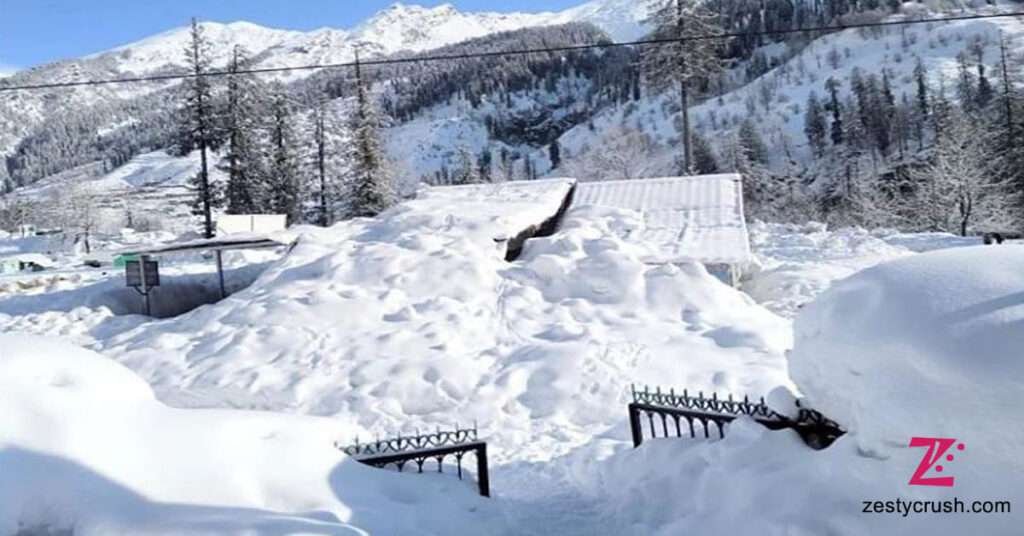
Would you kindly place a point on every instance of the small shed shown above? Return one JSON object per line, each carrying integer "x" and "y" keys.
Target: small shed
{"x": 25, "y": 262}
{"x": 698, "y": 218}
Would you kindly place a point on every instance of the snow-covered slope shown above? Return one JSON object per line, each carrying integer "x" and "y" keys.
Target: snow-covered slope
{"x": 86, "y": 449}
{"x": 398, "y": 28}
{"x": 776, "y": 102}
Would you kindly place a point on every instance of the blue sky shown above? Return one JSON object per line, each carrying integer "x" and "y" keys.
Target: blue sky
{"x": 33, "y": 32}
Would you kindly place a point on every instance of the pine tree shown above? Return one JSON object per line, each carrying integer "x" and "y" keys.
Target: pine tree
{"x": 555, "y": 154}
{"x": 328, "y": 160}
{"x": 371, "y": 180}
{"x": 486, "y": 165}
{"x": 966, "y": 87}
{"x": 704, "y": 160}
{"x": 683, "y": 63}
{"x": 466, "y": 169}
{"x": 319, "y": 116}
{"x": 923, "y": 99}
{"x": 750, "y": 139}
{"x": 833, "y": 106}
{"x": 282, "y": 184}
{"x": 198, "y": 131}
{"x": 741, "y": 156}
{"x": 815, "y": 125}
{"x": 241, "y": 126}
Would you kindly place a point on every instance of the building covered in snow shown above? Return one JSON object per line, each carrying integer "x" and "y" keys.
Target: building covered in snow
{"x": 686, "y": 219}
{"x": 25, "y": 262}
{"x": 697, "y": 218}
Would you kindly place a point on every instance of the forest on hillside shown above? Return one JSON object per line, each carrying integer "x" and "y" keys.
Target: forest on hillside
{"x": 898, "y": 144}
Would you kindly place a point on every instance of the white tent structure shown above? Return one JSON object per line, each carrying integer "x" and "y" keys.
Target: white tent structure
{"x": 697, "y": 218}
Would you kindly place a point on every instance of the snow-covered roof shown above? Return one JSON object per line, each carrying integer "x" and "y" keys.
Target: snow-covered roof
{"x": 696, "y": 218}
{"x": 501, "y": 210}
{"x": 29, "y": 258}
{"x": 236, "y": 241}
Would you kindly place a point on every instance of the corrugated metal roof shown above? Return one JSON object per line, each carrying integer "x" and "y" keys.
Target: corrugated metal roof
{"x": 696, "y": 218}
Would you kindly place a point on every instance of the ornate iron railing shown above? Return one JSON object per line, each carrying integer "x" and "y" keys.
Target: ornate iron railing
{"x": 420, "y": 449}
{"x": 678, "y": 414}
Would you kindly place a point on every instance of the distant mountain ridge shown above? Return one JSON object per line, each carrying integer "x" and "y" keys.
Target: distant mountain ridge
{"x": 401, "y": 27}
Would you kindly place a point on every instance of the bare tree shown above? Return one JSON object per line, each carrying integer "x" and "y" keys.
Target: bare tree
{"x": 688, "y": 60}
{"x": 621, "y": 154}
{"x": 18, "y": 210}
{"x": 74, "y": 208}
{"x": 960, "y": 186}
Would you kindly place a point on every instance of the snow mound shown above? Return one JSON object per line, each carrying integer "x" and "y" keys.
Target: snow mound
{"x": 924, "y": 346}
{"x": 85, "y": 447}
{"x": 928, "y": 345}
{"x": 414, "y": 319}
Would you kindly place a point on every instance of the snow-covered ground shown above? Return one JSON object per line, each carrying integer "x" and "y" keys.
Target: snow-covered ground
{"x": 415, "y": 320}
{"x": 799, "y": 262}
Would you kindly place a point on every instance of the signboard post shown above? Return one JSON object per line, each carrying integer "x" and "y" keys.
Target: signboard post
{"x": 143, "y": 275}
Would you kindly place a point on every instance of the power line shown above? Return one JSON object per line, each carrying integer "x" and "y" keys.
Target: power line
{"x": 505, "y": 53}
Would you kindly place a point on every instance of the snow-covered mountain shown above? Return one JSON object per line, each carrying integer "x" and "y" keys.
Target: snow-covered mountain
{"x": 585, "y": 115}
{"x": 401, "y": 27}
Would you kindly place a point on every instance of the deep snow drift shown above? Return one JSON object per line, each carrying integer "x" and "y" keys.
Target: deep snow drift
{"x": 926, "y": 346}
{"x": 85, "y": 447}
{"x": 929, "y": 345}
{"x": 414, "y": 320}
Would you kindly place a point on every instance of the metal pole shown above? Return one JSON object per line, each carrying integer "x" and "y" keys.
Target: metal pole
{"x": 482, "y": 476}
{"x": 634, "y": 425}
{"x": 220, "y": 274}
{"x": 145, "y": 288}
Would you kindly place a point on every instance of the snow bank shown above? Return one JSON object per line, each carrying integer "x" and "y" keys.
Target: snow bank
{"x": 928, "y": 345}
{"x": 84, "y": 446}
{"x": 414, "y": 319}
{"x": 924, "y": 346}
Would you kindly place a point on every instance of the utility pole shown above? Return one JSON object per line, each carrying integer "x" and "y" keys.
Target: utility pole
{"x": 1007, "y": 89}
{"x": 684, "y": 93}
{"x": 321, "y": 155}
{"x": 359, "y": 84}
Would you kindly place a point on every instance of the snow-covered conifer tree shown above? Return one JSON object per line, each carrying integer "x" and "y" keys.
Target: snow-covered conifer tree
{"x": 283, "y": 186}
{"x": 241, "y": 124}
{"x": 372, "y": 190}
{"x": 198, "y": 124}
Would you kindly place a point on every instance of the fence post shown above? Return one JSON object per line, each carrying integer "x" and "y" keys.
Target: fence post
{"x": 634, "y": 425}
{"x": 482, "y": 476}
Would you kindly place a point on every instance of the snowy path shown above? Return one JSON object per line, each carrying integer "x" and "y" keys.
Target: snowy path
{"x": 539, "y": 501}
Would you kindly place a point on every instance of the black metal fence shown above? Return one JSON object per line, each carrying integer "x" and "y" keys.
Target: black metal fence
{"x": 421, "y": 449}
{"x": 667, "y": 414}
